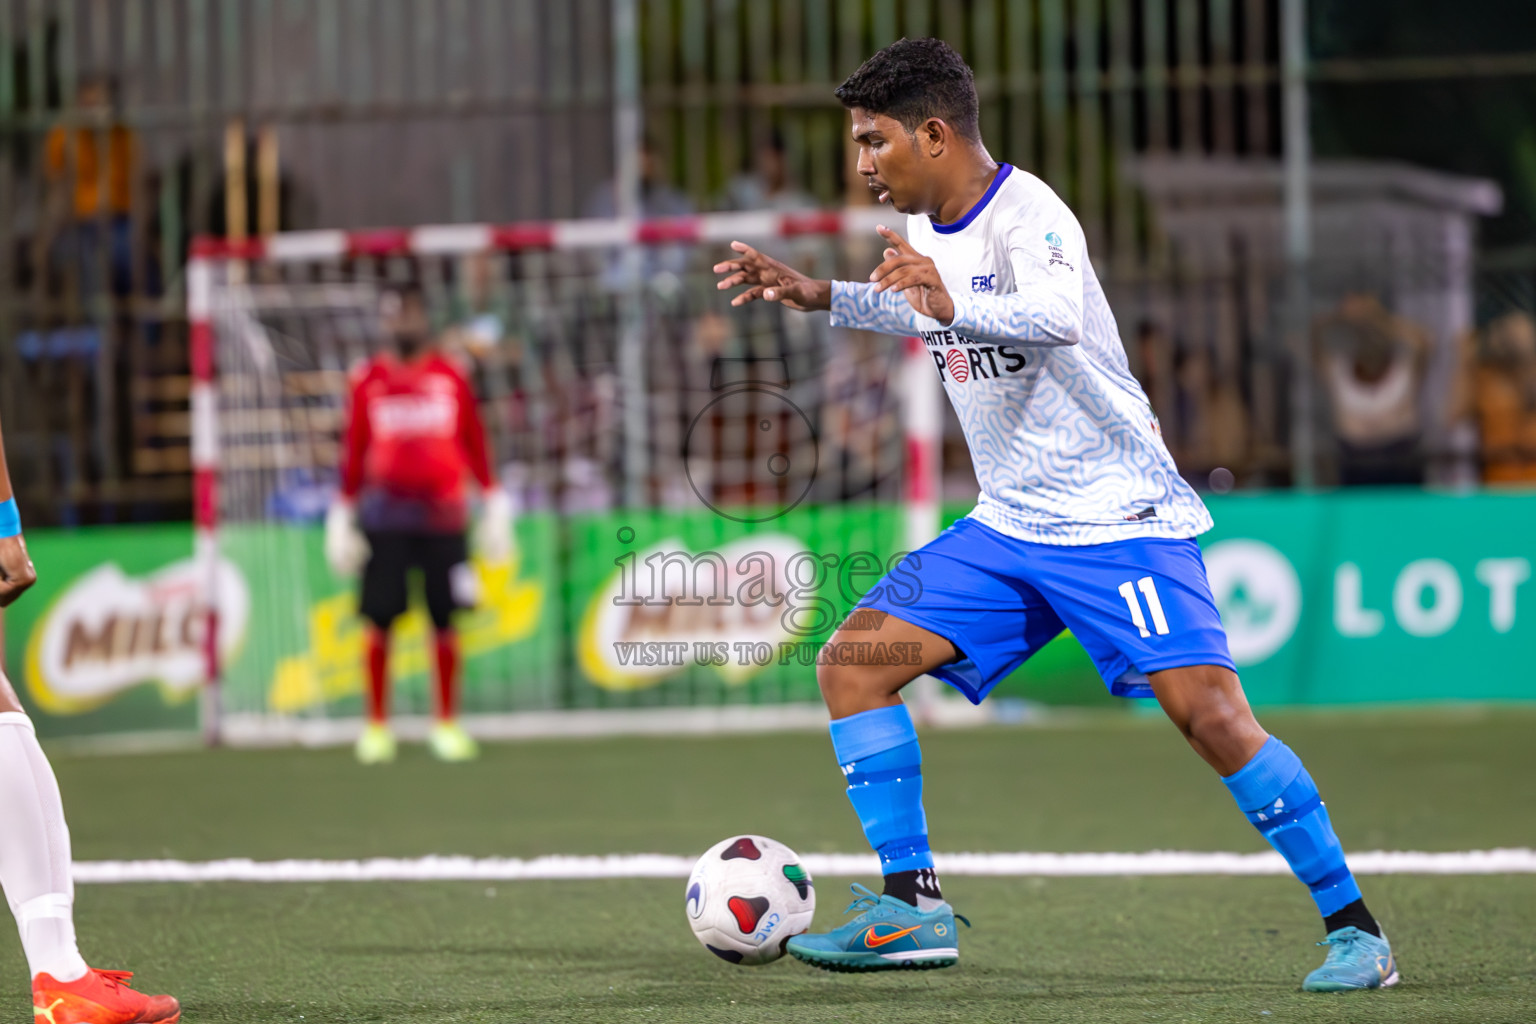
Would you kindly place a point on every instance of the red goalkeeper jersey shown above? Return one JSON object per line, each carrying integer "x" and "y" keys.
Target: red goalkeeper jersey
{"x": 413, "y": 435}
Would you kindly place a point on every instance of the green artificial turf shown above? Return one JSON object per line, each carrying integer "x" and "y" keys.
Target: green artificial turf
{"x": 1124, "y": 949}
{"x": 1164, "y": 949}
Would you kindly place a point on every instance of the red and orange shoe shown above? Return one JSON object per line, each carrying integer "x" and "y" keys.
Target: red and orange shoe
{"x": 100, "y": 997}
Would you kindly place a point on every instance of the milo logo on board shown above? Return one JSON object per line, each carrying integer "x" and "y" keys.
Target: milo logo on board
{"x": 108, "y": 632}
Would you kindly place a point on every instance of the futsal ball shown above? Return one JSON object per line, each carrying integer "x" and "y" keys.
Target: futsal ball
{"x": 746, "y": 897}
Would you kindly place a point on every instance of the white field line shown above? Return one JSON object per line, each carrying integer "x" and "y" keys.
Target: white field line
{"x": 655, "y": 865}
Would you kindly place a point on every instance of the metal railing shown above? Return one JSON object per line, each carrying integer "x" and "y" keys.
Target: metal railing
{"x": 128, "y": 126}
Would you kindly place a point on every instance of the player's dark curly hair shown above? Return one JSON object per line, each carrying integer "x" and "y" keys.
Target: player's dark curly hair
{"x": 913, "y": 80}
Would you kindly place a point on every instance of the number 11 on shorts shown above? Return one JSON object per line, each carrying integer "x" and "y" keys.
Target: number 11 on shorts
{"x": 1154, "y": 605}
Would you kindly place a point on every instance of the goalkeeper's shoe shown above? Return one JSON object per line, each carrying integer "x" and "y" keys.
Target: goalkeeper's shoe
{"x": 376, "y": 745}
{"x": 449, "y": 742}
{"x": 1356, "y": 960}
{"x": 100, "y": 997}
{"x": 888, "y": 934}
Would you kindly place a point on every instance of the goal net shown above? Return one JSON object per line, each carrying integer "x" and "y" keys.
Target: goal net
{"x": 702, "y": 492}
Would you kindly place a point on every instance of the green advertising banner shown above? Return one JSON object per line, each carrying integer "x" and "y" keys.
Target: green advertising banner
{"x": 1347, "y": 597}
{"x": 301, "y": 652}
{"x": 1377, "y": 595}
{"x": 110, "y": 638}
{"x": 1359, "y": 596}
{"x": 697, "y": 608}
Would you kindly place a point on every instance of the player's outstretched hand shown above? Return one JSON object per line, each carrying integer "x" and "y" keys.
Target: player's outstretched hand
{"x": 16, "y": 571}
{"x": 768, "y": 279}
{"x": 914, "y": 275}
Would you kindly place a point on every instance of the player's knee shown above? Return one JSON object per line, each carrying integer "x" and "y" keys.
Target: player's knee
{"x": 834, "y": 681}
{"x": 1215, "y": 725}
{"x": 840, "y": 683}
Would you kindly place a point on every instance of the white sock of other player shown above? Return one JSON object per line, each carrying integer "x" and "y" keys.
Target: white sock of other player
{"x": 34, "y": 853}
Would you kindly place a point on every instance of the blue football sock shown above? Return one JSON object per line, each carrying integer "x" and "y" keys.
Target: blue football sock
{"x": 1280, "y": 798}
{"x": 880, "y": 757}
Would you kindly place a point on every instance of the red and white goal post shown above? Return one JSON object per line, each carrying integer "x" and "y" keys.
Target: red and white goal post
{"x": 553, "y": 329}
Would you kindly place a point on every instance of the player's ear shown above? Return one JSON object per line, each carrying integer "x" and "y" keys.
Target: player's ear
{"x": 933, "y": 136}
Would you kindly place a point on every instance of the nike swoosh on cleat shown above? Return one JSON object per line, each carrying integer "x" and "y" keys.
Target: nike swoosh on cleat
{"x": 873, "y": 941}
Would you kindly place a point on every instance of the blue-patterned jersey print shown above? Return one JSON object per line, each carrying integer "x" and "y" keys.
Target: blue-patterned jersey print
{"x": 1065, "y": 444}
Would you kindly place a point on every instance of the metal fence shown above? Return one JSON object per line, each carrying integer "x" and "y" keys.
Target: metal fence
{"x": 127, "y": 126}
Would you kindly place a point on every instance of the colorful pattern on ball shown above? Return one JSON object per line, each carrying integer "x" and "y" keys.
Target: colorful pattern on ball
{"x": 748, "y": 911}
{"x": 743, "y": 847}
{"x": 746, "y": 897}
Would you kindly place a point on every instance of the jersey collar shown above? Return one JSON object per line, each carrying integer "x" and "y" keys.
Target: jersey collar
{"x": 1003, "y": 170}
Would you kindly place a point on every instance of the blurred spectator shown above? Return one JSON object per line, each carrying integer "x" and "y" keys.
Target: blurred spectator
{"x": 88, "y": 164}
{"x": 1152, "y": 353}
{"x": 1453, "y": 450}
{"x": 477, "y": 309}
{"x": 767, "y": 185}
{"x": 1372, "y": 367}
{"x": 479, "y": 330}
{"x": 657, "y": 199}
{"x": 1504, "y": 393}
{"x": 1210, "y": 416}
{"x": 860, "y": 433}
{"x": 681, "y": 360}
{"x": 803, "y": 343}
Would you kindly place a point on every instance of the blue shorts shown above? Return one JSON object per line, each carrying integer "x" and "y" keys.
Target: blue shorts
{"x": 1137, "y": 606}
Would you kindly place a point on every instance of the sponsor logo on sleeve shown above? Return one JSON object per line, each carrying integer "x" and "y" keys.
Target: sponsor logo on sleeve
{"x": 1053, "y": 243}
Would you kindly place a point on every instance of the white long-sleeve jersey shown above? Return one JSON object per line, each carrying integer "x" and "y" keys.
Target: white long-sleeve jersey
{"x": 1065, "y": 445}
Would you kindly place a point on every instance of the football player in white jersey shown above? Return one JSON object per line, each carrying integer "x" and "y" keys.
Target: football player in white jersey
{"x": 1083, "y": 520}
{"x": 34, "y": 848}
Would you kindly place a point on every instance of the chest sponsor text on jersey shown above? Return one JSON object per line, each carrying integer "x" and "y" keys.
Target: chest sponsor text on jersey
{"x": 406, "y": 416}
{"x": 964, "y": 359}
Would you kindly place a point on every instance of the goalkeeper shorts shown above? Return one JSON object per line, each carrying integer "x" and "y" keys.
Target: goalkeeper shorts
{"x": 443, "y": 559}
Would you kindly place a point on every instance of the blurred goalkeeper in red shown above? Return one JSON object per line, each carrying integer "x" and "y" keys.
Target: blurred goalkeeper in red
{"x": 413, "y": 437}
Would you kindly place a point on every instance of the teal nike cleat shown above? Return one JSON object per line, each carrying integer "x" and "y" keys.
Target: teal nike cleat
{"x": 1356, "y": 960}
{"x": 889, "y": 934}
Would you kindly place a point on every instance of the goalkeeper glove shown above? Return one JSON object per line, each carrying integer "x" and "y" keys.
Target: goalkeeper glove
{"x": 493, "y": 534}
{"x": 346, "y": 549}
